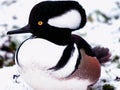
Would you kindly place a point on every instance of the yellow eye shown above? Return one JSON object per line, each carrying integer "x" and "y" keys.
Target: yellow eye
{"x": 40, "y": 23}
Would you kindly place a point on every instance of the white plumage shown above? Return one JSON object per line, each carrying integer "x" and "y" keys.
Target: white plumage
{"x": 34, "y": 65}
{"x": 71, "y": 19}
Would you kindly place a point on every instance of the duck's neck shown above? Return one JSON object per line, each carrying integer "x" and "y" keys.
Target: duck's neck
{"x": 57, "y": 36}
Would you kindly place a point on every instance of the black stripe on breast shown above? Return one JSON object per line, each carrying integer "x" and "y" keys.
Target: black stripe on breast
{"x": 82, "y": 44}
{"x": 77, "y": 62}
{"x": 65, "y": 57}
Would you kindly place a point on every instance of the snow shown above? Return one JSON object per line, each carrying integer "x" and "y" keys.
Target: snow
{"x": 9, "y": 83}
{"x": 96, "y": 33}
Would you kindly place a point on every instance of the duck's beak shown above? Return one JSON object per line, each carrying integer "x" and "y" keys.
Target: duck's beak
{"x": 25, "y": 29}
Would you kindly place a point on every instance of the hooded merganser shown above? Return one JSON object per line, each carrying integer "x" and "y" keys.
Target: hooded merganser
{"x": 53, "y": 58}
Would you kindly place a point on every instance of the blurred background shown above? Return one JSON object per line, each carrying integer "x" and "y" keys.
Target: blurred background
{"x": 102, "y": 29}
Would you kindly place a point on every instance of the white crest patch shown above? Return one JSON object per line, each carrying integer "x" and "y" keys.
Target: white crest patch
{"x": 70, "y": 19}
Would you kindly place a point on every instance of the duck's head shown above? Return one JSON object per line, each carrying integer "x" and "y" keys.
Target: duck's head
{"x": 54, "y": 19}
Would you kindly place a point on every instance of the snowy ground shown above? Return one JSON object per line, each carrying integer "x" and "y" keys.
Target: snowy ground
{"x": 15, "y": 13}
{"x": 9, "y": 81}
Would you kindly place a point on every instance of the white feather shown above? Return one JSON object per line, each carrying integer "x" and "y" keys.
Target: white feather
{"x": 36, "y": 56}
{"x": 69, "y": 67}
{"x": 70, "y": 19}
{"x": 39, "y": 53}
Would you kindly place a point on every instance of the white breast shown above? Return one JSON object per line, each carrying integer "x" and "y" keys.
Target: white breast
{"x": 39, "y": 53}
{"x": 35, "y": 56}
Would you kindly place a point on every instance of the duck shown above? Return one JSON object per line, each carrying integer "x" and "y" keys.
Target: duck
{"x": 53, "y": 58}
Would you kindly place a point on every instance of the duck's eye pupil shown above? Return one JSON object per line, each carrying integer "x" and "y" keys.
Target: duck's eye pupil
{"x": 40, "y": 23}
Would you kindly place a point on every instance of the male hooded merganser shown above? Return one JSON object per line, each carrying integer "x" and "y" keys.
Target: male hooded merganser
{"x": 53, "y": 58}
